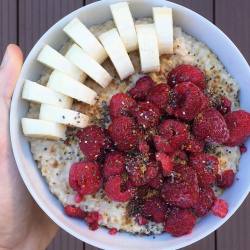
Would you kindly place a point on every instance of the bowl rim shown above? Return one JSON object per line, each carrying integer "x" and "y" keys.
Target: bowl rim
{"x": 25, "y": 178}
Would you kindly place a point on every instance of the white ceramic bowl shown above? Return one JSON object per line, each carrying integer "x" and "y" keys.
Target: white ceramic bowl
{"x": 98, "y": 13}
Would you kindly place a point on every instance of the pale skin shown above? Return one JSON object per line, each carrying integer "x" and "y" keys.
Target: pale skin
{"x": 23, "y": 225}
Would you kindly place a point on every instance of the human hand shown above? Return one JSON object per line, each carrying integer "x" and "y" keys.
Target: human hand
{"x": 23, "y": 225}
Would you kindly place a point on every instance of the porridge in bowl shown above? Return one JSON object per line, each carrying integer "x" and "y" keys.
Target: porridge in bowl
{"x": 153, "y": 136}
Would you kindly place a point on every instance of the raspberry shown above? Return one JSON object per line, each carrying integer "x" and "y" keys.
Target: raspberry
{"x": 141, "y": 88}
{"x": 143, "y": 147}
{"x": 205, "y": 201}
{"x": 166, "y": 162}
{"x": 92, "y": 141}
{"x": 116, "y": 191}
{"x": 113, "y": 231}
{"x": 179, "y": 158}
{"x": 92, "y": 219}
{"x": 157, "y": 182}
{"x": 206, "y": 167}
{"x": 187, "y": 73}
{"x": 238, "y": 123}
{"x": 243, "y": 149}
{"x": 85, "y": 177}
{"x": 180, "y": 222}
{"x": 220, "y": 208}
{"x": 172, "y": 135}
{"x": 124, "y": 133}
{"x": 210, "y": 125}
{"x": 183, "y": 190}
{"x": 194, "y": 145}
{"x": 155, "y": 209}
{"x": 120, "y": 104}
{"x": 146, "y": 114}
{"x": 187, "y": 101}
{"x": 225, "y": 179}
{"x": 224, "y": 105}
{"x": 114, "y": 164}
{"x": 159, "y": 95}
{"x": 73, "y": 211}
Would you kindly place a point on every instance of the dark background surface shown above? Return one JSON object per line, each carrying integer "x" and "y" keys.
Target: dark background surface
{"x": 24, "y": 21}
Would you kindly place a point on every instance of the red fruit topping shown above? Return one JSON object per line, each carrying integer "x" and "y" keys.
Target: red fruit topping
{"x": 141, "y": 88}
{"x": 113, "y": 231}
{"x": 187, "y": 73}
{"x": 183, "y": 190}
{"x": 85, "y": 177}
{"x": 159, "y": 95}
{"x": 180, "y": 222}
{"x": 210, "y": 125}
{"x": 179, "y": 158}
{"x": 225, "y": 179}
{"x": 194, "y": 145}
{"x": 146, "y": 114}
{"x": 157, "y": 182}
{"x": 187, "y": 101}
{"x": 154, "y": 209}
{"x": 141, "y": 220}
{"x": 116, "y": 190}
{"x": 243, "y": 149}
{"x": 224, "y": 105}
{"x": 205, "y": 201}
{"x": 238, "y": 123}
{"x": 120, "y": 104}
{"x": 143, "y": 147}
{"x": 166, "y": 162}
{"x": 172, "y": 135}
{"x": 78, "y": 198}
{"x": 124, "y": 133}
{"x": 114, "y": 164}
{"x": 73, "y": 211}
{"x": 206, "y": 167}
{"x": 220, "y": 208}
{"x": 92, "y": 141}
{"x": 92, "y": 219}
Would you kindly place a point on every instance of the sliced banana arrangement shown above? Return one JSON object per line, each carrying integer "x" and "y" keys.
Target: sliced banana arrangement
{"x": 84, "y": 58}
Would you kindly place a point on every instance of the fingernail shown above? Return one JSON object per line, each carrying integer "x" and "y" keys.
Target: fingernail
{"x": 5, "y": 58}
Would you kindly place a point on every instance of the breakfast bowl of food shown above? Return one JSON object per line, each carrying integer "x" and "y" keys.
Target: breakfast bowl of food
{"x": 129, "y": 125}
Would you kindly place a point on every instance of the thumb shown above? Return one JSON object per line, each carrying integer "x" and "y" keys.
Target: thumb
{"x": 9, "y": 71}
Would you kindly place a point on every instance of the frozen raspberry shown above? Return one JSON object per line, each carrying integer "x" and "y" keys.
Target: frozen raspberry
{"x": 220, "y": 208}
{"x": 172, "y": 135}
{"x": 180, "y": 222}
{"x": 143, "y": 147}
{"x": 116, "y": 190}
{"x": 224, "y": 105}
{"x": 187, "y": 73}
{"x": 92, "y": 141}
{"x": 181, "y": 190}
{"x": 179, "y": 158}
{"x": 141, "y": 220}
{"x": 114, "y": 164}
{"x": 157, "y": 182}
{"x": 85, "y": 177}
{"x": 92, "y": 219}
{"x": 141, "y": 88}
{"x": 120, "y": 104}
{"x": 113, "y": 231}
{"x": 205, "y": 201}
{"x": 238, "y": 123}
{"x": 159, "y": 95}
{"x": 225, "y": 179}
{"x": 206, "y": 167}
{"x": 124, "y": 133}
{"x": 187, "y": 101}
{"x": 243, "y": 149}
{"x": 154, "y": 209}
{"x": 194, "y": 145}
{"x": 166, "y": 162}
{"x": 141, "y": 169}
{"x": 210, "y": 125}
{"x": 146, "y": 114}
{"x": 73, "y": 211}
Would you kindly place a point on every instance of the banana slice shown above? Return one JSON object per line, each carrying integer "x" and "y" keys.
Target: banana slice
{"x": 53, "y": 59}
{"x": 35, "y": 92}
{"x": 94, "y": 70}
{"x": 63, "y": 116}
{"x": 117, "y": 53}
{"x": 68, "y": 86}
{"x": 148, "y": 47}
{"x": 125, "y": 24}
{"x": 43, "y": 129}
{"x": 163, "y": 19}
{"x": 81, "y": 35}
